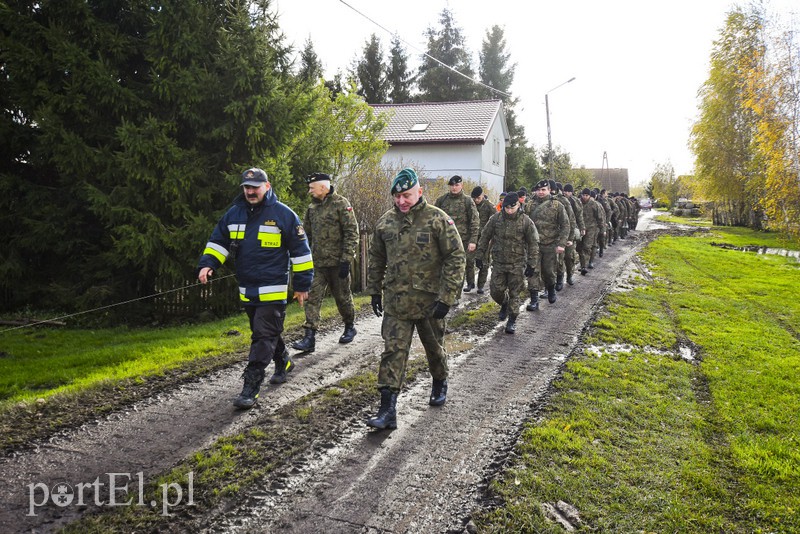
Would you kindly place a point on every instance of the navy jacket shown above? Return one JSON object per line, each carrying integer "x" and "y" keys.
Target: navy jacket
{"x": 265, "y": 241}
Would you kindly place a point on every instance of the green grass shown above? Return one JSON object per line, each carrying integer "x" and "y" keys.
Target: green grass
{"x": 42, "y": 362}
{"x": 640, "y": 440}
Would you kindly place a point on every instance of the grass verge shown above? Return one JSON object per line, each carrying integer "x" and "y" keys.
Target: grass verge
{"x": 639, "y": 438}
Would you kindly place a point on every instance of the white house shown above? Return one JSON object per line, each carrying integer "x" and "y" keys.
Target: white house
{"x": 446, "y": 138}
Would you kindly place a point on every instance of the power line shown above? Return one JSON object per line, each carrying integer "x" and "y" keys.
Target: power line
{"x": 110, "y": 305}
{"x": 445, "y": 65}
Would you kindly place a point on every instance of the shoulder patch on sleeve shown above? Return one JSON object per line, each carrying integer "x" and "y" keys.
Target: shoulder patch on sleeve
{"x": 301, "y": 231}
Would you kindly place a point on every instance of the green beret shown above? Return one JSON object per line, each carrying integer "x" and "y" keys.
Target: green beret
{"x": 405, "y": 180}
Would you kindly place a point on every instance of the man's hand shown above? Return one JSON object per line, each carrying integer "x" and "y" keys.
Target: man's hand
{"x": 204, "y": 274}
{"x": 479, "y": 263}
{"x": 559, "y": 250}
{"x": 301, "y": 296}
{"x": 377, "y": 305}
{"x": 529, "y": 271}
{"x": 344, "y": 269}
{"x": 439, "y": 309}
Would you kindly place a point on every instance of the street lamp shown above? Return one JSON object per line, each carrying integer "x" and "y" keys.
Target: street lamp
{"x": 549, "y": 140}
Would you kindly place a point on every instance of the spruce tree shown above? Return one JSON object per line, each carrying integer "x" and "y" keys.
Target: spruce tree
{"x": 400, "y": 80}
{"x": 438, "y": 83}
{"x": 370, "y": 72}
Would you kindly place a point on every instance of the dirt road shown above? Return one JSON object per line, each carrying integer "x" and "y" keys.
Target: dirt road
{"x": 425, "y": 476}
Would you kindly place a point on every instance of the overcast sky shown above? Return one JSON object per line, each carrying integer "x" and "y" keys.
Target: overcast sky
{"x": 637, "y": 64}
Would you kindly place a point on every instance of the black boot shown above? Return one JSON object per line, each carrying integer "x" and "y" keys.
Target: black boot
{"x": 560, "y": 282}
{"x": 307, "y": 343}
{"x": 283, "y": 364}
{"x": 480, "y": 290}
{"x": 584, "y": 271}
{"x": 534, "y": 305}
{"x": 387, "y": 413}
{"x": 511, "y": 325}
{"x": 570, "y": 281}
{"x": 438, "y": 392}
{"x": 253, "y": 377}
{"x": 503, "y": 311}
{"x": 551, "y": 294}
{"x": 469, "y": 287}
{"x": 349, "y": 333}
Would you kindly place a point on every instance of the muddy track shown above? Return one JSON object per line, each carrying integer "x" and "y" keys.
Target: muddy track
{"x": 425, "y": 476}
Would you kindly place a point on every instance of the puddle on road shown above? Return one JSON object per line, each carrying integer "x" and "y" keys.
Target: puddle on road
{"x": 758, "y": 249}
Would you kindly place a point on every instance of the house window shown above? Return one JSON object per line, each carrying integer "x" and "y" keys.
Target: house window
{"x": 419, "y": 127}
{"x": 495, "y": 151}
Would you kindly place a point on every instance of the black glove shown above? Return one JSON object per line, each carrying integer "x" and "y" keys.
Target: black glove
{"x": 479, "y": 263}
{"x": 529, "y": 271}
{"x": 439, "y": 309}
{"x": 377, "y": 305}
{"x": 344, "y": 269}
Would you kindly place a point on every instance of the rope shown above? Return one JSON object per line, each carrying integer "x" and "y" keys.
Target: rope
{"x": 111, "y": 305}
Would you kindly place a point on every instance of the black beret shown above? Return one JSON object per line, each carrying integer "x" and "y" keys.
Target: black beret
{"x": 552, "y": 184}
{"x": 568, "y": 188}
{"x": 522, "y": 191}
{"x": 559, "y": 186}
{"x": 510, "y": 200}
{"x": 317, "y": 177}
{"x": 454, "y": 180}
{"x": 542, "y": 183}
{"x": 503, "y": 195}
{"x": 593, "y": 194}
{"x": 477, "y": 192}
{"x": 586, "y": 191}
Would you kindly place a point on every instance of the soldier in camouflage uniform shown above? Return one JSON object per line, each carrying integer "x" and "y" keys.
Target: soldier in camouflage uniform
{"x": 577, "y": 207}
{"x": 594, "y": 216}
{"x": 416, "y": 267}
{"x": 485, "y": 210}
{"x": 460, "y": 207}
{"x": 332, "y": 231}
{"x": 514, "y": 244}
{"x": 622, "y": 219}
{"x": 552, "y": 223}
{"x": 566, "y": 261}
{"x": 607, "y": 235}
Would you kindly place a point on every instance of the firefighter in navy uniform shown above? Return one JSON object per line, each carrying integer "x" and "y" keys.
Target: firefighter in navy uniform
{"x": 266, "y": 240}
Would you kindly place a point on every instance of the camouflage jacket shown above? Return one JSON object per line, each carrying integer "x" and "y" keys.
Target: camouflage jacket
{"x": 551, "y": 220}
{"x": 514, "y": 241}
{"x": 594, "y": 215}
{"x": 485, "y": 211}
{"x": 577, "y": 208}
{"x": 623, "y": 208}
{"x": 332, "y": 230}
{"x": 462, "y": 210}
{"x": 415, "y": 259}
{"x": 609, "y": 207}
{"x": 573, "y": 223}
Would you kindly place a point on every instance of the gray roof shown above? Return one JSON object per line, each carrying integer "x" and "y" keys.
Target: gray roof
{"x": 612, "y": 180}
{"x": 447, "y": 122}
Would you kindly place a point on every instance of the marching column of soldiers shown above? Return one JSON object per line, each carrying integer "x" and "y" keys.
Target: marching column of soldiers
{"x": 421, "y": 257}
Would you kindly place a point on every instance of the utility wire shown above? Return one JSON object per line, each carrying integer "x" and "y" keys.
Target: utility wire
{"x": 445, "y": 65}
{"x": 110, "y": 305}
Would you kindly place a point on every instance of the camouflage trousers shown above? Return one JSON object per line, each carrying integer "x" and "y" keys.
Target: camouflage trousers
{"x": 483, "y": 272}
{"x": 324, "y": 278}
{"x": 588, "y": 245}
{"x": 566, "y": 261}
{"x": 548, "y": 268}
{"x": 507, "y": 284}
{"x": 266, "y": 325}
{"x": 397, "y": 334}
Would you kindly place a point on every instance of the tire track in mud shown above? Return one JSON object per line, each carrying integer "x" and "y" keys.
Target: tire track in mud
{"x": 425, "y": 476}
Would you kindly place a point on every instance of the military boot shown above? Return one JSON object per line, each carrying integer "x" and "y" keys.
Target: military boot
{"x": 511, "y": 325}
{"x": 307, "y": 343}
{"x": 570, "y": 281}
{"x": 480, "y": 290}
{"x": 469, "y": 287}
{"x": 387, "y": 413}
{"x": 283, "y": 364}
{"x": 560, "y": 282}
{"x": 503, "y": 311}
{"x": 534, "y": 305}
{"x": 253, "y": 377}
{"x": 349, "y": 333}
{"x": 438, "y": 392}
{"x": 551, "y": 294}
{"x": 584, "y": 270}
